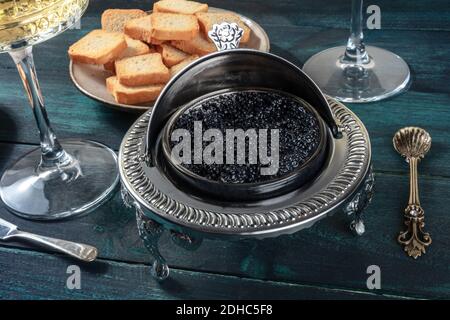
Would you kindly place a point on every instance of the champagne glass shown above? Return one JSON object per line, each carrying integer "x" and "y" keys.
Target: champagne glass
{"x": 61, "y": 178}
{"x": 355, "y": 73}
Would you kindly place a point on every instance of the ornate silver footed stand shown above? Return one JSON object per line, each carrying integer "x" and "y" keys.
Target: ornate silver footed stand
{"x": 359, "y": 203}
{"x": 345, "y": 184}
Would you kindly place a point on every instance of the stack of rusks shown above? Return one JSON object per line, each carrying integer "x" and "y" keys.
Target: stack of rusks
{"x": 143, "y": 51}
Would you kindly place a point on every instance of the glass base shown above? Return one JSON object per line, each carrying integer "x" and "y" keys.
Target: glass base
{"x": 384, "y": 76}
{"x": 64, "y": 191}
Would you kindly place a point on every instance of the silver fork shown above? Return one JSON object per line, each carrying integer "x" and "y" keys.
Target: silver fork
{"x": 9, "y": 231}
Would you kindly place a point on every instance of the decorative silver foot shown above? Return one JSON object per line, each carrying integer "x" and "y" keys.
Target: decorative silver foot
{"x": 357, "y": 225}
{"x": 185, "y": 241}
{"x": 150, "y": 232}
{"x": 359, "y": 203}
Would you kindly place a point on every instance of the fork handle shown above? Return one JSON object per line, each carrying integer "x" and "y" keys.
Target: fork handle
{"x": 77, "y": 250}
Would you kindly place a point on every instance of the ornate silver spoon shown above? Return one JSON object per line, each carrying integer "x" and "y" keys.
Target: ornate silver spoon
{"x": 413, "y": 143}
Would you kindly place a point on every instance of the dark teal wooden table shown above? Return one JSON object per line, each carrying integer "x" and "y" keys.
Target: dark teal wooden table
{"x": 325, "y": 261}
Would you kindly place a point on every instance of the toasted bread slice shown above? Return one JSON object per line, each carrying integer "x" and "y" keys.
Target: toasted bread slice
{"x": 111, "y": 83}
{"x": 135, "y": 48}
{"x": 206, "y": 21}
{"x": 98, "y": 47}
{"x": 179, "y": 6}
{"x": 140, "y": 28}
{"x": 133, "y": 95}
{"x": 142, "y": 70}
{"x": 178, "y": 67}
{"x": 171, "y": 55}
{"x": 172, "y": 26}
{"x": 114, "y": 20}
{"x": 199, "y": 45}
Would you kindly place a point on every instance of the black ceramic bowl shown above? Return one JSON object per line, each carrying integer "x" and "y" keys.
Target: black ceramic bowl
{"x": 231, "y": 71}
{"x": 228, "y": 191}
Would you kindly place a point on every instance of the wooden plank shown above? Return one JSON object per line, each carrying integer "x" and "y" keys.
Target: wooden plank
{"x": 411, "y": 15}
{"x": 43, "y": 276}
{"x": 326, "y": 254}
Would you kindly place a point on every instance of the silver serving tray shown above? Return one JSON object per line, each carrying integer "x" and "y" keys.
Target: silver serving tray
{"x": 344, "y": 184}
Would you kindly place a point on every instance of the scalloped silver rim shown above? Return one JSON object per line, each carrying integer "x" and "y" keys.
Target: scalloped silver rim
{"x": 286, "y": 220}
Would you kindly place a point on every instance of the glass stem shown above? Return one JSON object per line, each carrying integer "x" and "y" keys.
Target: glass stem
{"x": 52, "y": 152}
{"x": 355, "y": 52}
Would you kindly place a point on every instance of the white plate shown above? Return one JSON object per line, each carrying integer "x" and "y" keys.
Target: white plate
{"x": 91, "y": 79}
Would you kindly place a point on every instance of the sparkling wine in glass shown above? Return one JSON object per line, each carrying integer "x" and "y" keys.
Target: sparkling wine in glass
{"x": 356, "y": 73}
{"x": 59, "y": 179}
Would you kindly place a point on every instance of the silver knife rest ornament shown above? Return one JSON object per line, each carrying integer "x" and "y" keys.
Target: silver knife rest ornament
{"x": 226, "y": 36}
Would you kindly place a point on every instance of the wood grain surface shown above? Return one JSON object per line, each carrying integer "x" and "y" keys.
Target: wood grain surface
{"x": 325, "y": 261}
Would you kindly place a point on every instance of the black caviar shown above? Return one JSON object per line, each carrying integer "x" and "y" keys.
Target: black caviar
{"x": 299, "y": 131}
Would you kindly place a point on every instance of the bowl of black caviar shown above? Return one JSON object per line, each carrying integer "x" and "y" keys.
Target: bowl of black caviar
{"x": 241, "y": 125}
{"x": 255, "y": 144}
